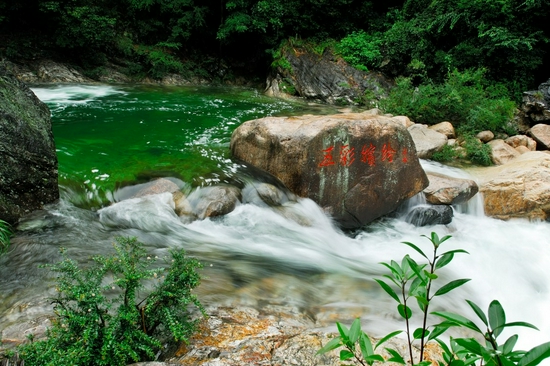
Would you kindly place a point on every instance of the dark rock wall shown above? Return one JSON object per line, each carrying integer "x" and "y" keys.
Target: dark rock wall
{"x": 28, "y": 161}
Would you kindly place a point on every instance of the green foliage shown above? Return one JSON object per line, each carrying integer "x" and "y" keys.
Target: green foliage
{"x": 410, "y": 282}
{"x": 463, "y": 99}
{"x": 5, "y": 234}
{"x": 448, "y": 153}
{"x": 361, "y": 50}
{"x": 476, "y": 151}
{"x": 104, "y": 314}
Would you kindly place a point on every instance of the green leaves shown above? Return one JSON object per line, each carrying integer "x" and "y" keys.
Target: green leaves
{"x": 93, "y": 328}
{"x": 411, "y": 280}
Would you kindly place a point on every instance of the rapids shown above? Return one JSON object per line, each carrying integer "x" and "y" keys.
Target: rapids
{"x": 254, "y": 255}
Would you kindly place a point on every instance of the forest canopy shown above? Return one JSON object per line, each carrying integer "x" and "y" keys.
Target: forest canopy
{"x": 421, "y": 39}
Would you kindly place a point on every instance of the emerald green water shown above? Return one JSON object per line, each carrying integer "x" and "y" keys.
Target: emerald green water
{"x": 111, "y": 136}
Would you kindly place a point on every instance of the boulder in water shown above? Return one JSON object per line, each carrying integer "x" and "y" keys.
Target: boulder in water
{"x": 424, "y": 215}
{"x": 427, "y": 141}
{"x": 357, "y": 166}
{"x": 213, "y": 201}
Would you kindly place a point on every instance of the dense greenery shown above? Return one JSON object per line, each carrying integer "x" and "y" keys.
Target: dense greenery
{"x": 105, "y": 314}
{"x": 410, "y": 282}
{"x": 420, "y": 39}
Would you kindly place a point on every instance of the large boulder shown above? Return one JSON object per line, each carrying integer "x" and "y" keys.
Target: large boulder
{"x": 501, "y": 152}
{"x": 519, "y": 188}
{"x": 28, "y": 172}
{"x": 327, "y": 78}
{"x": 541, "y": 134}
{"x": 357, "y": 166}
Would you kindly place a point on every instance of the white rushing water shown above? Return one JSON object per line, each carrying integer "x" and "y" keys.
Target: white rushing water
{"x": 310, "y": 262}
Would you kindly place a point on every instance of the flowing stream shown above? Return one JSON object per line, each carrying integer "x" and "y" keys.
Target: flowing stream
{"x": 112, "y": 138}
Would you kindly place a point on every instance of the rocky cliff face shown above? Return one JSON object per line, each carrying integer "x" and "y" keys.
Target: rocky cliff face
{"x": 28, "y": 161}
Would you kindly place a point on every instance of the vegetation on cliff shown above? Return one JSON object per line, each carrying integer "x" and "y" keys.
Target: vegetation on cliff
{"x": 420, "y": 39}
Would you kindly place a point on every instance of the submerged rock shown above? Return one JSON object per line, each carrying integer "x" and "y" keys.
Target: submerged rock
{"x": 425, "y": 215}
{"x": 357, "y": 166}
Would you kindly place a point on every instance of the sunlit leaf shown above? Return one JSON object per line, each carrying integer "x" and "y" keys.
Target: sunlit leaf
{"x": 509, "y": 344}
{"x": 420, "y": 333}
{"x": 458, "y": 319}
{"x": 536, "y": 355}
{"x": 346, "y": 355}
{"x": 479, "y": 312}
{"x": 497, "y": 317}
{"x": 450, "y": 286}
{"x": 519, "y": 324}
{"x": 387, "y": 337}
{"x": 355, "y": 331}
{"x": 388, "y": 290}
{"x": 415, "y": 248}
{"x": 470, "y": 344}
{"x": 444, "y": 260}
{"x": 332, "y": 344}
{"x": 366, "y": 345}
{"x": 404, "y": 311}
{"x": 374, "y": 358}
{"x": 440, "y": 329}
{"x": 395, "y": 357}
{"x": 344, "y": 332}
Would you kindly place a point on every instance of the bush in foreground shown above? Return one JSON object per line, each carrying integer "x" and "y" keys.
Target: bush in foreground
{"x": 104, "y": 315}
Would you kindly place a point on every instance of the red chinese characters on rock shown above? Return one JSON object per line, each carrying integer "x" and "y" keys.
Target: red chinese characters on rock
{"x": 368, "y": 155}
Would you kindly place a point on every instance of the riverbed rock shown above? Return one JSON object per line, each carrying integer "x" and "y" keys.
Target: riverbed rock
{"x": 326, "y": 78}
{"x": 357, "y": 166}
{"x": 501, "y": 152}
{"x": 445, "y": 190}
{"x": 28, "y": 169}
{"x": 427, "y": 141}
{"x": 214, "y": 201}
{"x": 265, "y": 194}
{"x": 541, "y": 134}
{"x": 485, "y": 136}
{"x": 424, "y": 215}
{"x": 519, "y": 188}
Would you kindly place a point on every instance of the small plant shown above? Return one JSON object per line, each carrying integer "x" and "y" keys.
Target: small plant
{"x": 5, "y": 235}
{"x": 468, "y": 351}
{"x": 477, "y": 152}
{"x": 104, "y": 315}
{"x": 413, "y": 282}
{"x": 447, "y": 153}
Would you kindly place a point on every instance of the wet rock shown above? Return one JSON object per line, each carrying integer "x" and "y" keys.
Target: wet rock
{"x": 265, "y": 194}
{"x": 214, "y": 201}
{"x": 445, "y": 190}
{"x": 424, "y": 215}
{"x": 356, "y": 166}
{"x": 427, "y": 141}
{"x": 28, "y": 168}
{"x": 157, "y": 186}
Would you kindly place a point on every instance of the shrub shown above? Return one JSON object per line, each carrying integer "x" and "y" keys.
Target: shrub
{"x": 5, "y": 234}
{"x": 361, "y": 50}
{"x": 410, "y": 282}
{"x": 464, "y": 99}
{"x": 104, "y": 315}
{"x": 477, "y": 152}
